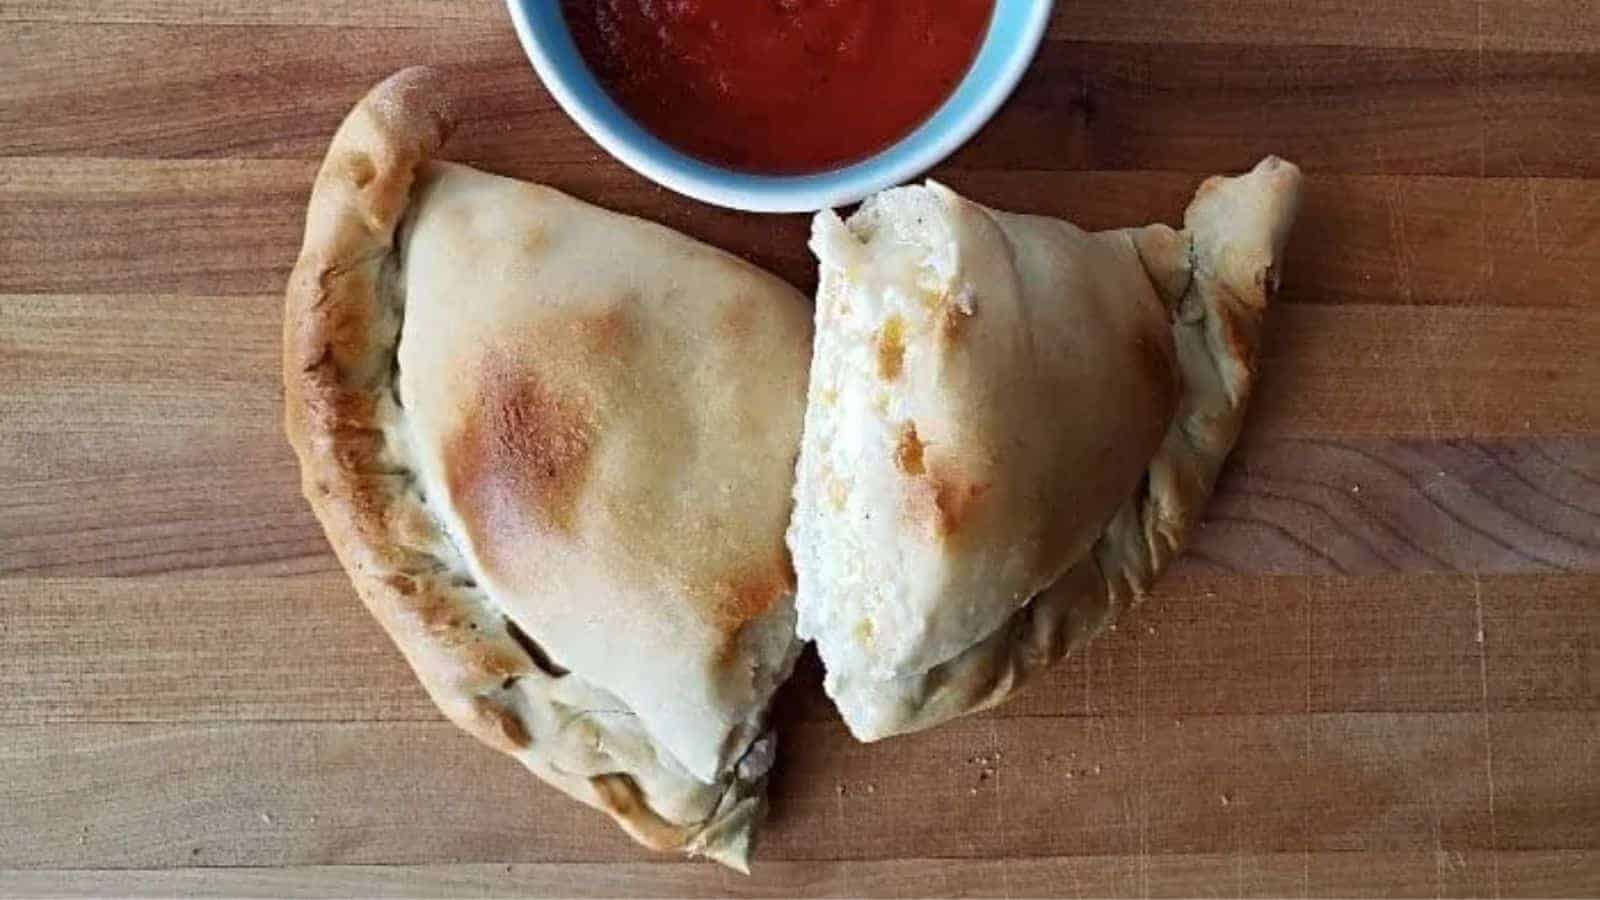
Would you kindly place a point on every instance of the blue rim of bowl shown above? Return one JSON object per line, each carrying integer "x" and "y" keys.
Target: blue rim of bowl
{"x": 1015, "y": 30}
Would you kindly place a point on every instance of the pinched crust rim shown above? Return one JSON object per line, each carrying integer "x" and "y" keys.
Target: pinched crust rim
{"x": 1229, "y": 259}
{"x": 344, "y": 307}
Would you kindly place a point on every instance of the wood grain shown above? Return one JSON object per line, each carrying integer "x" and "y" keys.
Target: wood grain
{"x": 1376, "y": 673}
{"x": 1205, "y": 645}
{"x": 1532, "y": 25}
{"x": 1083, "y": 105}
{"x": 1348, "y": 874}
{"x": 1536, "y": 25}
{"x": 285, "y": 794}
{"x": 1413, "y": 240}
{"x": 101, "y": 491}
{"x": 1373, "y": 506}
{"x": 233, "y": 226}
{"x": 300, "y": 793}
{"x": 1417, "y": 421}
{"x": 302, "y": 13}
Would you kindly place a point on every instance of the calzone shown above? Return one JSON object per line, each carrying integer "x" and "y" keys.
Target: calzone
{"x": 553, "y": 447}
{"x": 1011, "y": 427}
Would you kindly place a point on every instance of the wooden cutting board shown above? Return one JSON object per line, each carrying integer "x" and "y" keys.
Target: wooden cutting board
{"x": 1376, "y": 672}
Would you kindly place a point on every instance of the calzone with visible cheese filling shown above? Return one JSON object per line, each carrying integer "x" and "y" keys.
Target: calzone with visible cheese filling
{"x": 1012, "y": 425}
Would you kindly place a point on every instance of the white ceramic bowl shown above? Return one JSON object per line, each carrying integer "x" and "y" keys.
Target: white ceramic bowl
{"x": 1013, "y": 37}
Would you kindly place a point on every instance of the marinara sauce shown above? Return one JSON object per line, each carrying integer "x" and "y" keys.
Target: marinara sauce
{"x": 779, "y": 86}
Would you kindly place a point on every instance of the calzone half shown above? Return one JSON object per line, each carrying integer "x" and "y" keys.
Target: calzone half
{"x": 1011, "y": 427}
{"x": 553, "y": 447}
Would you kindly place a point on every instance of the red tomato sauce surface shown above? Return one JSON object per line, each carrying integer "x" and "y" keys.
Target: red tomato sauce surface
{"x": 779, "y": 86}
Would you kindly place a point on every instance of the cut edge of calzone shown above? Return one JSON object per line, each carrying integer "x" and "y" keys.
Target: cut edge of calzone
{"x": 949, "y": 541}
{"x": 531, "y": 432}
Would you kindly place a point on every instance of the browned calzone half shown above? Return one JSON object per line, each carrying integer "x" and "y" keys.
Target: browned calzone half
{"x": 553, "y": 447}
{"x": 1013, "y": 425}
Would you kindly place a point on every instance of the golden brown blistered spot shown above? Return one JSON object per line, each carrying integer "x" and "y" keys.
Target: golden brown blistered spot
{"x": 955, "y": 500}
{"x": 619, "y": 795}
{"x": 338, "y": 413}
{"x": 403, "y": 585}
{"x": 891, "y": 344}
{"x": 908, "y": 450}
{"x": 749, "y": 593}
{"x": 499, "y": 727}
{"x": 522, "y": 456}
{"x": 611, "y": 333}
{"x": 942, "y": 501}
{"x": 435, "y": 614}
{"x": 348, "y": 318}
{"x": 615, "y": 793}
{"x": 496, "y": 660}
